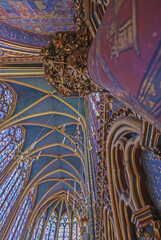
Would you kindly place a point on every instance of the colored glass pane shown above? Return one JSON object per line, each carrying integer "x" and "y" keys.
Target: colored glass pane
{"x": 63, "y": 233}
{"x": 9, "y": 140}
{"x": 28, "y": 232}
{"x": 39, "y": 227}
{"x": 6, "y": 100}
{"x": 10, "y": 190}
{"x": 75, "y": 229}
{"x": 94, "y": 120}
{"x": 50, "y": 229}
{"x": 152, "y": 170}
{"x": 21, "y": 218}
{"x": 1, "y": 90}
{"x": 94, "y": 98}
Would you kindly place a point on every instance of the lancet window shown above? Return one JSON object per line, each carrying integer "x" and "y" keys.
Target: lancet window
{"x": 63, "y": 233}
{"x": 8, "y": 100}
{"x": 9, "y": 140}
{"x": 39, "y": 227}
{"x": 21, "y": 218}
{"x": 94, "y": 98}
{"x": 75, "y": 229}
{"x": 51, "y": 226}
{"x": 10, "y": 190}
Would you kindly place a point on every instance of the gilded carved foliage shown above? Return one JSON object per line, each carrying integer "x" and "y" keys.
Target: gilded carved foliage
{"x": 65, "y": 63}
{"x": 65, "y": 59}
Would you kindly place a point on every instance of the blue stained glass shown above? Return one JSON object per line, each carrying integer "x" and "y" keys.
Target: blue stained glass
{"x": 63, "y": 233}
{"x": 21, "y": 218}
{"x": 8, "y": 96}
{"x": 4, "y": 133}
{"x": 66, "y": 232}
{"x": 4, "y": 142}
{"x": 18, "y": 134}
{"x": 12, "y": 130}
{"x": 38, "y": 229}
{"x": 6, "y": 99}
{"x": 47, "y": 231}
{"x": 9, "y": 140}
{"x": 94, "y": 99}
{"x": 50, "y": 229}
{"x": 1, "y": 114}
{"x": 75, "y": 229}
{"x": 5, "y": 154}
{"x": 3, "y": 107}
{"x": 1, "y": 91}
{"x": 10, "y": 191}
{"x": 53, "y": 231}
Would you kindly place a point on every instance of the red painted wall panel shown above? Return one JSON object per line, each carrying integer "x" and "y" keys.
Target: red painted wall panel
{"x": 125, "y": 56}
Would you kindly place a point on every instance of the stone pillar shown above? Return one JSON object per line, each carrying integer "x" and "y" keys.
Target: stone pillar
{"x": 124, "y": 57}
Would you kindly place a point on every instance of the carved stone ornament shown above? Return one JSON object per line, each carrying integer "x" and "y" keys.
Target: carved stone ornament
{"x": 10, "y": 57}
{"x": 65, "y": 63}
{"x": 101, "y": 2}
{"x": 65, "y": 59}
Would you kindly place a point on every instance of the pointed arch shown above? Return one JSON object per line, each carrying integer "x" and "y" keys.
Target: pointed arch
{"x": 39, "y": 227}
{"x": 11, "y": 189}
{"x": 19, "y": 223}
{"x": 8, "y": 101}
{"x": 75, "y": 228}
{"x": 51, "y": 226}
{"x": 63, "y": 232}
{"x": 10, "y": 139}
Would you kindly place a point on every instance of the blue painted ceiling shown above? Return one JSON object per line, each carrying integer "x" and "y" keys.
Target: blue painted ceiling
{"x": 40, "y": 113}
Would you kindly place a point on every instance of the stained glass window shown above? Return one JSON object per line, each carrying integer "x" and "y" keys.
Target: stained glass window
{"x": 75, "y": 229}
{"x": 39, "y": 227}
{"x": 94, "y": 120}
{"x": 63, "y": 233}
{"x": 7, "y": 98}
{"x": 9, "y": 140}
{"x": 10, "y": 190}
{"x": 21, "y": 218}
{"x": 50, "y": 229}
{"x": 28, "y": 232}
{"x": 94, "y": 98}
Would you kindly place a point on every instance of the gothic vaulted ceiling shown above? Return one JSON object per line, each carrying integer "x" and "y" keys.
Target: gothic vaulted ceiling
{"x": 51, "y": 123}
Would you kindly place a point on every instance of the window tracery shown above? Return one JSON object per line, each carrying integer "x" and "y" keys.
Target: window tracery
{"x": 10, "y": 190}
{"x": 8, "y": 99}
{"x": 51, "y": 226}
{"x": 39, "y": 227}
{"x": 21, "y": 217}
{"x": 75, "y": 229}
{"x": 63, "y": 233}
{"x": 9, "y": 140}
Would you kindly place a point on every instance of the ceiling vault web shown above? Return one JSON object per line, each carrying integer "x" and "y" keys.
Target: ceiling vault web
{"x": 50, "y": 133}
